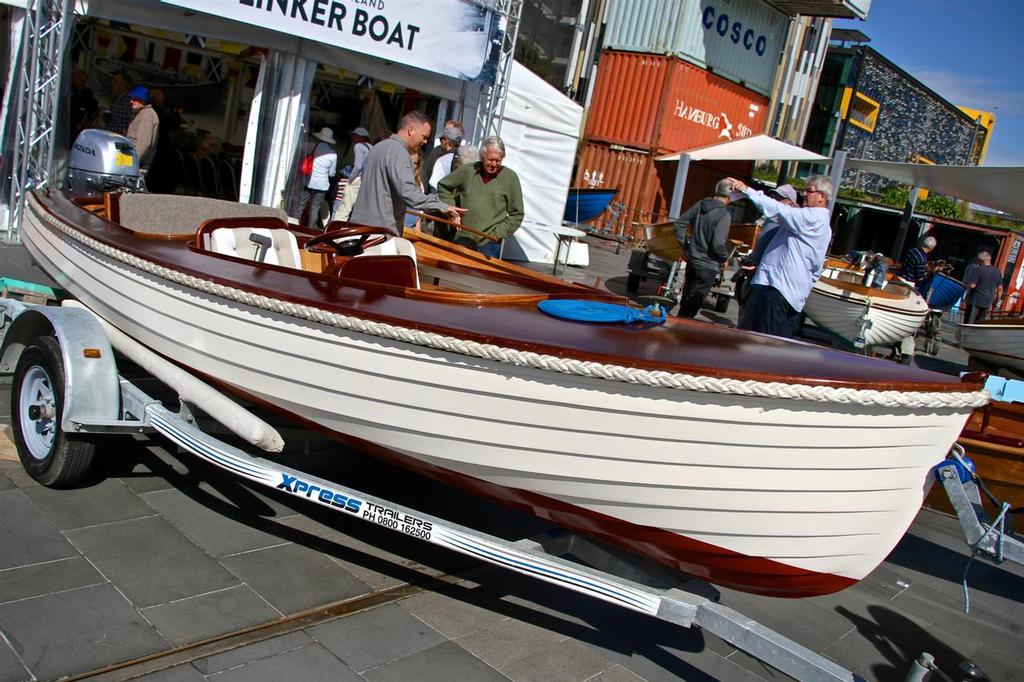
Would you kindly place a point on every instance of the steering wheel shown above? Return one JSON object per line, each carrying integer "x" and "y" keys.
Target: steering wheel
{"x": 357, "y": 238}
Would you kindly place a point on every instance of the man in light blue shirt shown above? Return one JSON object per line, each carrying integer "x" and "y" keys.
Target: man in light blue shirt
{"x": 792, "y": 261}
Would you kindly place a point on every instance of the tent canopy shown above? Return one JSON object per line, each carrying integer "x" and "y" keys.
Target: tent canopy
{"x": 753, "y": 148}
{"x": 997, "y": 187}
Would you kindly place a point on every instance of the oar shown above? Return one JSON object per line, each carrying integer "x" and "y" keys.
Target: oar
{"x": 461, "y": 226}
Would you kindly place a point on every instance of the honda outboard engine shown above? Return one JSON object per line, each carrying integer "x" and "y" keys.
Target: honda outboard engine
{"x": 104, "y": 161}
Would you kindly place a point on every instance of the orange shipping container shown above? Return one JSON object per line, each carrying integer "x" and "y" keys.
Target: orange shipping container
{"x": 645, "y": 185}
{"x": 665, "y": 104}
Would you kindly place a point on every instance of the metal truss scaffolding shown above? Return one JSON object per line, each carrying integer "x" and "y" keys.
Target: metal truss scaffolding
{"x": 47, "y": 26}
{"x": 491, "y": 106}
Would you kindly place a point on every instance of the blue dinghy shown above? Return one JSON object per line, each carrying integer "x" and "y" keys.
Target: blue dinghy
{"x": 585, "y": 204}
{"x": 944, "y": 291}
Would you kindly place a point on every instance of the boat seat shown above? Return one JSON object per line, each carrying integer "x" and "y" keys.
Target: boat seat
{"x": 396, "y": 246}
{"x": 173, "y": 215}
{"x": 396, "y": 270}
{"x": 235, "y": 241}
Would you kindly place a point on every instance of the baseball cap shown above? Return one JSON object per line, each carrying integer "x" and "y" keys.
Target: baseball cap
{"x": 139, "y": 92}
{"x": 452, "y": 134}
{"x": 786, "y": 192}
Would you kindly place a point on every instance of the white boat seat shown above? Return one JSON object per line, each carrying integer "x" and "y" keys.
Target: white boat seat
{"x": 396, "y": 246}
{"x": 234, "y": 241}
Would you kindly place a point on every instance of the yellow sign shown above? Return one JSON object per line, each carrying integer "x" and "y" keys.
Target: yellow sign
{"x": 124, "y": 159}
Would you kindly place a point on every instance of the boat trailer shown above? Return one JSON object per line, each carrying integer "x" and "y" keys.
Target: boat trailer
{"x": 67, "y": 387}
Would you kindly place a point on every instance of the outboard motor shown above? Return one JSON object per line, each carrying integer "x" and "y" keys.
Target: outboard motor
{"x": 104, "y": 161}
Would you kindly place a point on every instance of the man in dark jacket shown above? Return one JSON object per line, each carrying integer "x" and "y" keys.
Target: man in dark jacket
{"x": 708, "y": 221}
{"x": 984, "y": 284}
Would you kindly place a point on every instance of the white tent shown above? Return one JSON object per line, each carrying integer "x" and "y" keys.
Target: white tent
{"x": 753, "y": 148}
{"x": 997, "y": 187}
{"x": 541, "y": 130}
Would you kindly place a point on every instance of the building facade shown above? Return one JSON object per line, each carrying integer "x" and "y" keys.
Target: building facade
{"x": 871, "y": 108}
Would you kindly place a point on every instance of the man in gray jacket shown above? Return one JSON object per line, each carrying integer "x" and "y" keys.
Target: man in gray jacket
{"x": 388, "y": 186}
{"x": 708, "y": 221}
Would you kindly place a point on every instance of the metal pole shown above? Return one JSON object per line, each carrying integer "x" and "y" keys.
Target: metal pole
{"x": 682, "y": 171}
{"x": 836, "y": 175}
{"x": 901, "y": 232}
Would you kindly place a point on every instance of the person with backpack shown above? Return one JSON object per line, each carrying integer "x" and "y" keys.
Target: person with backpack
{"x": 319, "y": 166}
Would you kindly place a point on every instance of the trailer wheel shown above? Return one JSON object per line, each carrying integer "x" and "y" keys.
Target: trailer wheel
{"x": 722, "y": 303}
{"x": 49, "y": 455}
{"x": 633, "y": 283}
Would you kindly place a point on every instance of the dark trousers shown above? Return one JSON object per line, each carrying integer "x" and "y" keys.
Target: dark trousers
{"x": 976, "y": 313}
{"x": 766, "y": 310}
{"x": 696, "y": 286}
{"x": 314, "y": 200}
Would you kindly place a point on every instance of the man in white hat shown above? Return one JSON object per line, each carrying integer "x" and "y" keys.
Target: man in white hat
{"x": 325, "y": 167}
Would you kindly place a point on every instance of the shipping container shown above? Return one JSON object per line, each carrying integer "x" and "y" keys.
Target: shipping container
{"x": 740, "y": 40}
{"x": 665, "y": 105}
{"x": 645, "y": 185}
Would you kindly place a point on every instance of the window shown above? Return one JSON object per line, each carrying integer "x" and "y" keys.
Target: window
{"x": 863, "y": 110}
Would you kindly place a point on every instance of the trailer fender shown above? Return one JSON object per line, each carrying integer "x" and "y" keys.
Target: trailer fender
{"x": 91, "y": 386}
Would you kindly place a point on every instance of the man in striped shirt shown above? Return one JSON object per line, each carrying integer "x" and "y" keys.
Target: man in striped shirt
{"x": 915, "y": 262}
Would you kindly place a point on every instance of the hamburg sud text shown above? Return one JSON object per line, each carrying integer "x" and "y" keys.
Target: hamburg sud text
{"x": 368, "y": 511}
{"x": 333, "y": 14}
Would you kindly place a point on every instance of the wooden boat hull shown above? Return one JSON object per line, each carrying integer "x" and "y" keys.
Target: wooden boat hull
{"x": 994, "y": 440}
{"x": 995, "y": 343}
{"x": 761, "y": 493}
{"x": 662, "y": 242}
{"x": 841, "y": 306}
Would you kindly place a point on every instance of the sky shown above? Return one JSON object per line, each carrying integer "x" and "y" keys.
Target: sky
{"x": 969, "y": 51}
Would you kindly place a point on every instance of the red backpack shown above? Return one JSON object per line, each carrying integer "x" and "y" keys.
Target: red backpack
{"x": 306, "y": 165}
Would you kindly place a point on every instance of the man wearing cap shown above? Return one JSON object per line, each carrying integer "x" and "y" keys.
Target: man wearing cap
{"x": 325, "y": 167}
{"x": 444, "y": 153}
{"x": 119, "y": 115}
{"x": 353, "y": 174}
{"x": 389, "y": 186}
{"x": 784, "y": 194}
{"x": 792, "y": 260}
{"x": 144, "y": 126}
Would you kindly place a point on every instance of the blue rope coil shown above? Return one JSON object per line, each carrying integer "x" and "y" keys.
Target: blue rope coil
{"x": 597, "y": 311}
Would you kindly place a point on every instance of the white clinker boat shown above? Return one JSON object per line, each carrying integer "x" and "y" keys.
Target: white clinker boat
{"x": 768, "y": 465}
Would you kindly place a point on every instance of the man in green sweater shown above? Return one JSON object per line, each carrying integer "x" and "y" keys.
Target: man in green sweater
{"x": 492, "y": 195}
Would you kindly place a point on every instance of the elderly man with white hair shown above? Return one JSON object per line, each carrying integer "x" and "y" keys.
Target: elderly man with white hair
{"x": 915, "y": 262}
{"x": 492, "y": 195}
{"x": 792, "y": 261}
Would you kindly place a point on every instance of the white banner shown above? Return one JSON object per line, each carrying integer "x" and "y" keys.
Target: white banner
{"x": 451, "y": 37}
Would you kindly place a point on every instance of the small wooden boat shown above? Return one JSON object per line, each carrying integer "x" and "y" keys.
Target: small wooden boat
{"x": 996, "y": 343}
{"x": 662, "y": 242}
{"x": 586, "y": 203}
{"x": 765, "y": 464}
{"x": 857, "y": 314}
{"x": 994, "y": 439}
